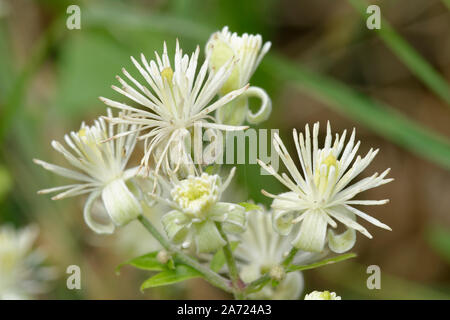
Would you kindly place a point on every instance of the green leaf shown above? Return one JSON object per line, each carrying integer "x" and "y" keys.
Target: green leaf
{"x": 409, "y": 56}
{"x": 5, "y": 182}
{"x": 148, "y": 261}
{"x": 321, "y": 263}
{"x": 218, "y": 260}
{"x": 250, "y": 206}
{"x": 89, "y": 62}
{"x": 166, "y": 277}
{"x": 447, "y": 3}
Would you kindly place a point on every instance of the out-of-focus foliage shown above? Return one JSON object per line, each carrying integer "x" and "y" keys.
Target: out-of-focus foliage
{"x": 324, "y": 65}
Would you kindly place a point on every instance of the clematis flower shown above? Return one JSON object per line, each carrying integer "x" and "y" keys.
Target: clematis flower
{"x": 22, "y": 275}
{"x": 172, "y": 102}
{"x": 249, "y": 50}
{"x": 322, "y": 295}
{"x": 196, "y": 210}
{"x": 323, "y": 193}
{"x": 261, "y": 249}
{"x": 100, "y": 170}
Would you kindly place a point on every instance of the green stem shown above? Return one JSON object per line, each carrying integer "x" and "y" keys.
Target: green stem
{"x": 231, "y": 262}
{"x": 210, "y": 276}
{"x": 287, "y": 261}
{"x": 259, "y": 283}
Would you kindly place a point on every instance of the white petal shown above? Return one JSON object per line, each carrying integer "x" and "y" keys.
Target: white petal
{"x": 94, "y": 225}
{"x": 120, "y": 203}
{"x": 347, "y": 218}
{"x": 343, "y": 242}
{"x": 365, "y": 216}
{"x": 264, "y": 109}
{"x": 312, "y": 233}
{"x": 175, "y": 225}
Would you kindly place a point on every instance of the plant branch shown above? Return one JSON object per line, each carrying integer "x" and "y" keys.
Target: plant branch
{"x": 209, "y": 275}
{"x": 287, "y": 261}
{"x": 259, "y": 283}
{"x": 232, "y": 268}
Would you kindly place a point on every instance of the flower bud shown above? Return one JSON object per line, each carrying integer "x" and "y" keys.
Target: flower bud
{"x": 277, "y": 273}
{"x": 163, "y": 256}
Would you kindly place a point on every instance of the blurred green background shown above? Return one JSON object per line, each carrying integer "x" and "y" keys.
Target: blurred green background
{"x": 391, "y": 84}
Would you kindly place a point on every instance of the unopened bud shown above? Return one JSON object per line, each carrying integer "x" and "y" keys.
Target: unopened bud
{"x": 277, "y": 273}
{"x": 163, "y": 256}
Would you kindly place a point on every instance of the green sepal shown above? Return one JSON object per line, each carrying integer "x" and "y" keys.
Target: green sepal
{"x": 250, "y": 206}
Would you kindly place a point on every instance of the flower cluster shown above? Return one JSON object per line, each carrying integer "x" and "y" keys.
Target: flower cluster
{"x": 172, "y": 98}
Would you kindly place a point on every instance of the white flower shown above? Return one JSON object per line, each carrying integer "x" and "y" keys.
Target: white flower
{"x": 196, "y": 210}
{"x": 195, "y": 195}
{"x": 179, "y": 98}
{"x": 261, "y": 249}
{"x": 21, "y": 276}
{"x": 100, "y": 164}
{"x": 323, "y": 193}
{"x": 249, "y": 50}
{"x": 322, "y": 295}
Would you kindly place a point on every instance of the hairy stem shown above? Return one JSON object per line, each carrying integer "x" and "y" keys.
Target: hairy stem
{"x": 209, "y": 275}
{"x": 231, "y": 263}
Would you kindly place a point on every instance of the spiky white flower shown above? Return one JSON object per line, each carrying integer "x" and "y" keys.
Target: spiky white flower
{"x": 261, "y": 250}
{"x": 196, "y": 209}
{"x": 100, "y": 169}
{"x": 179, "y": 99}
{"x": 221, "y": 46}
{"x": 322, "y": 295}
{"x": 21, "y": 273}
{"x": 323, "y": 193}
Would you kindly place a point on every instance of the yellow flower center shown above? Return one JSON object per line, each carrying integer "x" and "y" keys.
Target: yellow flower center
{"x": 196, "y": 194}
{"x": 82, "y": 133}
{"x": 326, "y": 295}
{"x": 329, "y": 161}
{"x": 167, "y": 74}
